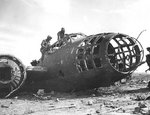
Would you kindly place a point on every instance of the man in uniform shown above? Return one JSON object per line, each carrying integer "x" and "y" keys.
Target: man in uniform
{"x": 148, "y": 59}
{"x": 61, "y": 36}
{"x": 45, "y": 46}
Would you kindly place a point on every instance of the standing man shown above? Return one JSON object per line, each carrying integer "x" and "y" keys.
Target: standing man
{"x": 148, "y": 59}
{"x": 61, "y": 36}
{"x": 45, "y": 46}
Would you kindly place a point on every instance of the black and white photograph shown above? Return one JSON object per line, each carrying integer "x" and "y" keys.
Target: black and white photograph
{"x": 74, "y": 57}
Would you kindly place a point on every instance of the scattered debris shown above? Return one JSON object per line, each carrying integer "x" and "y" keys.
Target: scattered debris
{"x": 16, "y": 97}
{"x": 123, "y": 81}
{"x": 64, "y": 107}
{"x": 142, "y": 108}
{"x": 40, "y": 92}
{"x": 98, "y": 111}
{"x": 43, "y": 97}
{"x": 137, "y": 110}
{"x": 82, "y": 101}
{"x": 90, "y": 102}
{"x": 139, "y": 98}
{"x": 4, "y": 106}
{"x": 88, "y": 114}
{"x": 141, "y": 105}
{"x": 57, "y": 100}
{"x": 123, "y": 111}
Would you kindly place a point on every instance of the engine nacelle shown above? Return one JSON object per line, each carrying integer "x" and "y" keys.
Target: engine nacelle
{"x": 12, "y": 75}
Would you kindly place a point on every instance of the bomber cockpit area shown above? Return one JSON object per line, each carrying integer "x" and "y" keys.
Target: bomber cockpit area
{"x": 124, "y": 53}
{"x": 70, "y": 38}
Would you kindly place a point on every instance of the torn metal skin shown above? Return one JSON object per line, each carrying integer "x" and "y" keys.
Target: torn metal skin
{"x": 84, "y": 62}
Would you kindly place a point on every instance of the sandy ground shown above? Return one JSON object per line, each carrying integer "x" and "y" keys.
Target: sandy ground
{"x": 130, "y": 98}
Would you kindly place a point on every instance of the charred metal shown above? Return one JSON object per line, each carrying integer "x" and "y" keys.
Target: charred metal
{"x": 83, "y": 62}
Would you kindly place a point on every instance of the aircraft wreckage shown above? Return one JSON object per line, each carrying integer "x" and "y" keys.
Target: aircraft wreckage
{"x": 85, "y": 62}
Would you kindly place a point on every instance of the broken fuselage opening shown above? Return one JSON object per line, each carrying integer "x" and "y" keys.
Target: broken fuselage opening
{"x": 88, "y": 53}
{"x": 124, "y": 53}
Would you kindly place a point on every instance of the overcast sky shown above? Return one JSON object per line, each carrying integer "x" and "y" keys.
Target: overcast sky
{"x": 25, "y": 23}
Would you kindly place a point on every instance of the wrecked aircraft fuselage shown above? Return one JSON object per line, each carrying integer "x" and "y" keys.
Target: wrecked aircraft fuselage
{"x": 85, "y": 62}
